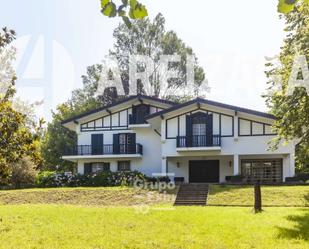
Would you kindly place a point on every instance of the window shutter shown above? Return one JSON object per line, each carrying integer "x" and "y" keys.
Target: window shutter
{"x": 209, "y": 130}
{"x": 87, "y": 168}
{"x": 116, "y": 147}
{"x": 189, "y": 132}
{"x": 131, "y": 143}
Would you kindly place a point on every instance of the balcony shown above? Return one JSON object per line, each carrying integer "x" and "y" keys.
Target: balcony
{"x": 198, "y": 143}
{"x": 135, "y": 122}
{"x": 105, "y": 151}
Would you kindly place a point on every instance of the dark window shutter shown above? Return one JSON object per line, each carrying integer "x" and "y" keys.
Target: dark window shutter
{"x": 209, "y": 130}
{"x": 116, "y": 147}
{"x": 97, "y": 144}
{"x": 189, "y": 131}
{"x": 141, "y": 111}
{"x": 131, "y": 143}
{"x": 87, "y": 168}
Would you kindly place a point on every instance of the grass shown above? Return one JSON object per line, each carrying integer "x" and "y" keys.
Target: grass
{"x": 92, "y": 196}
{"x": 281, "y": 196}
{"x": 220, "y": 195}
{"x": 65, "y": 226}
{"x": 121, "y": 217}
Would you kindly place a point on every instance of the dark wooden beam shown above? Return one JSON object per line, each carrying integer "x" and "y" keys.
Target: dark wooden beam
{"x": 162, "y": 117}
{"x": 109, "y": 112}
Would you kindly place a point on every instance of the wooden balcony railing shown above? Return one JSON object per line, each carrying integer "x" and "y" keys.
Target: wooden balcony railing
{"x": 198, "y": 141}
{"x": 107, "y": 149}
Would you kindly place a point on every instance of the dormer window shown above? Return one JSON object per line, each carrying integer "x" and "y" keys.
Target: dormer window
{"x": 139, "y": 112}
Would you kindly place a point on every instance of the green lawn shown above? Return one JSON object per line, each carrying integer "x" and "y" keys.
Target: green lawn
{"x": 91, "y": 196}
{"x": 64, "y": 226}
{"x": 281, "y": 196}
{"x": 120, "y": 217}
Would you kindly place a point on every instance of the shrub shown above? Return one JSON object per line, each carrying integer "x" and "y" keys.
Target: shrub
{"x": 235, "y": 178}
{"x": 45, "y": 179}
{"x": 298, "y": 178}
{"x": 103, "y": 178}
{"x": 23, "y": 173}
{"x": 165, "y": 179}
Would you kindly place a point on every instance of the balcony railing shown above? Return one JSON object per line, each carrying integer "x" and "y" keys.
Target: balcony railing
{"x": 107, "y": 149}
{"x": 198, "y": 141}
{"x": 135, "y": 120}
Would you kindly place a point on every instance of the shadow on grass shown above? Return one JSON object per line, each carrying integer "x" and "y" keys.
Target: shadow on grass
{"x": 300, "y": 228}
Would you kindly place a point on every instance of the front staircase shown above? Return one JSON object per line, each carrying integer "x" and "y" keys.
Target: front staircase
{"x": 192, "y": 194}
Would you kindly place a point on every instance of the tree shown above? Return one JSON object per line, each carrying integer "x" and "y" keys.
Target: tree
{"x": 292, "y": 111}
{"x": 23, "y": 172}
{"x": 56, "y": 137}
{"x": 136, "y": 10}
{"x": 150, "y": 38}
{"x": 16, "y": 139}
{"x": 286, "y": 6}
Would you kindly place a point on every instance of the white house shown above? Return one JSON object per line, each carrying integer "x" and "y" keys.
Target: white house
{"x": 197, "y": 141}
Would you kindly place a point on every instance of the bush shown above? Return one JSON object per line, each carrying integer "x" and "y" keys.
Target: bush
{"x": 234, "y": 179}
{"x": 298, "y": 178}
{"x": 103, "y": 178}
{"x": 45, "y": 179}
{"x": 23, "y": 173}
{"x": 165, "y": 179}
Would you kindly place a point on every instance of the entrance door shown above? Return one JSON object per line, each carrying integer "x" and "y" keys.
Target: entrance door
{"x": 204, "y": 171}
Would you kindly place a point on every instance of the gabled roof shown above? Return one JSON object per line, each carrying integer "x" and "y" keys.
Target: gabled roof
{"x": 117, "y": 103}
{"x": 213, "y": 103}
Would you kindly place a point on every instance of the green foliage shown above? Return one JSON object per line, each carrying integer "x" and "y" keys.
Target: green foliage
{"x": 17, "y": 140}
{"x": 292, "y": 111}
{"x": 102, "y": 178}
{"x": 286, "y": 6}
{"x": 56, "y": 138}
{"x": 128, "y": 9}
{"x": 23, "y": 173}
{"x": 45, "y": 178}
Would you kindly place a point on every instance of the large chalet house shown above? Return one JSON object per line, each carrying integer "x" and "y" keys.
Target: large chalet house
{"x": 196, "y": 141}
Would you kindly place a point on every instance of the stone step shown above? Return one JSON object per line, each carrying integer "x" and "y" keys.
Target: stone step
{"x": 192, "y": 194}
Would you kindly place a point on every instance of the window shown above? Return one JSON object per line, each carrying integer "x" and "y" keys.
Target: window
{"x": 124, "y": 166}
{"x": 264, "y": 170}
{"x": 96, "y": 167}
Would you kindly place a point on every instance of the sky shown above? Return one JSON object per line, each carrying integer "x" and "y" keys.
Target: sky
{"x": 58, "y": 39}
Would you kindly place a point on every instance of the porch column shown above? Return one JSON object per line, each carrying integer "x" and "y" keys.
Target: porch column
{"x": 164, "y": 166}
{"x": 236, "y": 165}
{"x": 292, "y": 164}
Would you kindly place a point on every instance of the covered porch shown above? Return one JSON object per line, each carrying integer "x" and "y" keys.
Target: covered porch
{"x": 216, "y": 168}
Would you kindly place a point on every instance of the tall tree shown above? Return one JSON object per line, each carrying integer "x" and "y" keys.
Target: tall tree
{"x": 17, "y": 140}
{"x": 150, "y": 38}
{"x": 292, "y": 111}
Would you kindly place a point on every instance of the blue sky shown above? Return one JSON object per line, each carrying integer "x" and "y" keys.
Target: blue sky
{"x": 58, "y": 39}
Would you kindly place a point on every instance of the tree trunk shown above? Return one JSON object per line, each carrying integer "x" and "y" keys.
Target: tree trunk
{"x": 257, "y": 198}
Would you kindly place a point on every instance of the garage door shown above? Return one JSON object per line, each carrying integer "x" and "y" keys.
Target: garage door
{"x": 204, "y": 171}
{"x": 263, "y": 170}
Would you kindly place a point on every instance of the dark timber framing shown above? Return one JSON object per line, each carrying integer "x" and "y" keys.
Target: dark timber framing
{"x": 213, "y": 103}
{"x": 106, "y": 108}
{"x": 111, "y": 126}
{"x": 251, "y": 124}
{"x": 194, "y": 111}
